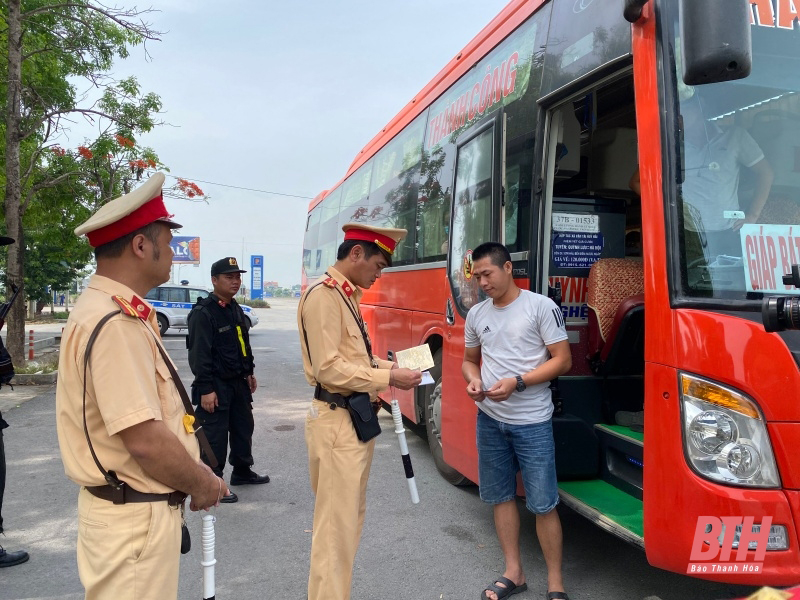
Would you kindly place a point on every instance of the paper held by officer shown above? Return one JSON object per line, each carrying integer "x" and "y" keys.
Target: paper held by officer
{"x": 418, "y": 357}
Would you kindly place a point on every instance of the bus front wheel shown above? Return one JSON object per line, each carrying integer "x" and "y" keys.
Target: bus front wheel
{"x": 433, "y": 424}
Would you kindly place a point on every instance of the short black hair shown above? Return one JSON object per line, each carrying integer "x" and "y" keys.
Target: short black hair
{"x": 498, "y": 253}
{"x": 370, "y": 250}
{"x": 115, "y": 248}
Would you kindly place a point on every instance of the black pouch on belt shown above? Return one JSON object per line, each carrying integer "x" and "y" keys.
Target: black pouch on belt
{"x": 365, "y": 421}
{"x": 186, "y": 539}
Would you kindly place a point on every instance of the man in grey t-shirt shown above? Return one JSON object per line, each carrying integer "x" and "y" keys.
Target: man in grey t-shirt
{"x": 521, "y": 339}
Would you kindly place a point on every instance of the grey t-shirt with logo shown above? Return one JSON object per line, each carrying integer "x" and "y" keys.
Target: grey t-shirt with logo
{"x": 514, "y": 340}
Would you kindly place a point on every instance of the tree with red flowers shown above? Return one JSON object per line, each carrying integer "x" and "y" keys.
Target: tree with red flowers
{"x": 50, "y": 49}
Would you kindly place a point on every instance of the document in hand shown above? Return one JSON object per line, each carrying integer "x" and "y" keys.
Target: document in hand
{"x": 418, "y": 357}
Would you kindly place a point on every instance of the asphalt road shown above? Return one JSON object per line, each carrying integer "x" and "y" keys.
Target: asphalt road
{"x": 443, "y": 548}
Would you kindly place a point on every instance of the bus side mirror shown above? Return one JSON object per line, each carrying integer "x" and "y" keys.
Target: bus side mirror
{"x": 715, "y": 40}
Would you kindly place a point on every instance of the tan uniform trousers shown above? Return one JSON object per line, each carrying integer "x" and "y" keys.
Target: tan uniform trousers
{"x": 128, "y": 551}
{"x": 339, "y": 466}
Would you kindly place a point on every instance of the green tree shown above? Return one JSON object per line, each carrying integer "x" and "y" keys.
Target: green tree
{"x": 50, "y": 44}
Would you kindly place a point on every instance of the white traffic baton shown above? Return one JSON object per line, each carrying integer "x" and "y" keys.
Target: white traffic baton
{"x": 401, "y": 435}
{"x": 208, "y": 541}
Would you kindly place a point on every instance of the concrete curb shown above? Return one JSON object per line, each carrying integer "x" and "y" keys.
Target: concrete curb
{"x": 35, "y": 379}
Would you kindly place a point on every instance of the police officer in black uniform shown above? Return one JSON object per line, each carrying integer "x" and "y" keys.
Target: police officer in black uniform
{"x": 222, "y": 362}
{"x": 7, "y": 559}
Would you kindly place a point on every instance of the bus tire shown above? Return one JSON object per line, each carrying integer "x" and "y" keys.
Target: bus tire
{"x": 163, "y": 324}
{"x": 432, "y": 402}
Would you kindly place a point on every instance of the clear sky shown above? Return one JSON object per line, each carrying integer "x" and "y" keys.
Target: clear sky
{"x": 280, "y": 96}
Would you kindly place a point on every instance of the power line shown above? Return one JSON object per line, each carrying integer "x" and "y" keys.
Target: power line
{"x": 236, "y": 187}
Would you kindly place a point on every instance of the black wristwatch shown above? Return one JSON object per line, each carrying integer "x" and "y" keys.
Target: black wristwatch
{"x": 520, "y": 384}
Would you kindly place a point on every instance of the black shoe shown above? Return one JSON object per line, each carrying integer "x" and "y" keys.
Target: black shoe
{"x": 229, "y": 499}
{"x": 248, "y": 478}
{"x": 9, "y": 559}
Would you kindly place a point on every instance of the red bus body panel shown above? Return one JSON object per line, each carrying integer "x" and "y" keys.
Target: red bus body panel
{"x": 722, "y": 347}
{"x": 418, "y": 292}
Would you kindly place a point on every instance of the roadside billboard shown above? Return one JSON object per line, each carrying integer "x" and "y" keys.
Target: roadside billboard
{"x": 186, "y": 250}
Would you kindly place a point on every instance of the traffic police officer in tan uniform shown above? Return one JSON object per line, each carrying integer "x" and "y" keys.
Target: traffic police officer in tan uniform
{"x": 134, "y": 415}
{"x": 336, "y": 362}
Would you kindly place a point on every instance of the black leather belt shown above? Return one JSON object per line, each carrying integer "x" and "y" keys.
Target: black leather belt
{"x": 126, "y": 495}
{"x": 333, "y": 400}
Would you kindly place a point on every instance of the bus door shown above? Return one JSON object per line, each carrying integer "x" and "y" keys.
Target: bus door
{"x": 589, "y": 221}
{"x": 477, "y": 215}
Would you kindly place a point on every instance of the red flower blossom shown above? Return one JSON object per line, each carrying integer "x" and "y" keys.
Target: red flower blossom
{"x": 124, "y": 142}
{"x": 85, "y": 152}
{"x": 58, "y": 151}
{"x": 189, "y": 188}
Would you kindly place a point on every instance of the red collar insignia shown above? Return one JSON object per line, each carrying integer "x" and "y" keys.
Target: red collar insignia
{"x": 347, "y": 289}
{"x": 330, "y": 282}
{"x": 135, "y": 307}
{"x": 222, "y": 303}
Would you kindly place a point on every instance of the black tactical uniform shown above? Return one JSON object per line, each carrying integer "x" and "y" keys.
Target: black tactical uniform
{"x": 7, "y": 559}
{"x": 221, "y": 360}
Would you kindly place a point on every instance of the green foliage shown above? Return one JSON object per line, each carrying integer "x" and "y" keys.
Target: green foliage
{"x": 54, "y": 256}
{"x": 257, "y": 303}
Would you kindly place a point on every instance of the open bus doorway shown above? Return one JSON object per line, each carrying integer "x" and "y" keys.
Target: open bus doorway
{"x": 590, "y": 227}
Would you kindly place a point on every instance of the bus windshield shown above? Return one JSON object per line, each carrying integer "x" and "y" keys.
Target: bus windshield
{"x": 737, "y": 208}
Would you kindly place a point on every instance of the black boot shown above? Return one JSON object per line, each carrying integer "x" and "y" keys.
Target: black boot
{"x": 248, "y": 477}
{"x": 9, "y": 559}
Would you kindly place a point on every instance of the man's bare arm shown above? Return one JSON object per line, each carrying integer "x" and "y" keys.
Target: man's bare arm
{"x": 164, "y": 458}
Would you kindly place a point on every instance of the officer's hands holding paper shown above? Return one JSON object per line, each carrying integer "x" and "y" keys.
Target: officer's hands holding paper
{"x": 418, "y": 358}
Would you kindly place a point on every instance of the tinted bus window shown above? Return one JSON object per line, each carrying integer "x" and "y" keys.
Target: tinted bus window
{"x": 582, "y": 37}
{"x": 472, "y": 215}
{"x": 435, "y": 194}
{"x": 512, "y": 71}
{"x": 395, "y": 182}
{"x": 311, "y": 256}
{"x": 355, "y": 196}
{"x": 328, "y": 228}
{"x": 519, "y": 192}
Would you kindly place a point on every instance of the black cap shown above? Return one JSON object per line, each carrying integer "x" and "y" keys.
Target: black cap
{"x": 5, "y": 241}
{"x": 226, "y": 265}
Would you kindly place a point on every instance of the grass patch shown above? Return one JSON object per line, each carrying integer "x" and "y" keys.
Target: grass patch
{"x": 258, "y": 303}
{"x": 45, "y": 364}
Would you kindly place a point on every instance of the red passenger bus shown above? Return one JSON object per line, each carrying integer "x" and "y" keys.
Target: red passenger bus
{"x": 539, "y": 134}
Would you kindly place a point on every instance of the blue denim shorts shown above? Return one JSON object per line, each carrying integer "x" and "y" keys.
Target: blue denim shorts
{"x": 504, "y": 449}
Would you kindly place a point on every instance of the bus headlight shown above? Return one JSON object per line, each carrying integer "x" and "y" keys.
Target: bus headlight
{"x": 724, "y": 435}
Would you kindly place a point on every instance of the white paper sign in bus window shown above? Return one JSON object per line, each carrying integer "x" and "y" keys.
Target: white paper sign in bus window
{"x": 576, "y": 222}
{"x": 769, "y": 251}
{"x": 577, "y": 241}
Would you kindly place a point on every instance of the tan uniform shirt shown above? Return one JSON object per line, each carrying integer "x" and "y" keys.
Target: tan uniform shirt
{"x": 339, "y": 359}
{"x": 128, "y": 383}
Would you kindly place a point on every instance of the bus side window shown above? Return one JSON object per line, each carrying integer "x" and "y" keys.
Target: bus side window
{"x": 518, "y": 192}
{"x": 436, "y": 175}
{"x": 329, "y": 228}
{"x": 393, "y": 194}
{"x": 310, "y": 243}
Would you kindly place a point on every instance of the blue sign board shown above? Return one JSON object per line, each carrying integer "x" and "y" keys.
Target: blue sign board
{"x": 576, "y": 249}
{"x": 256, "y": 277}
